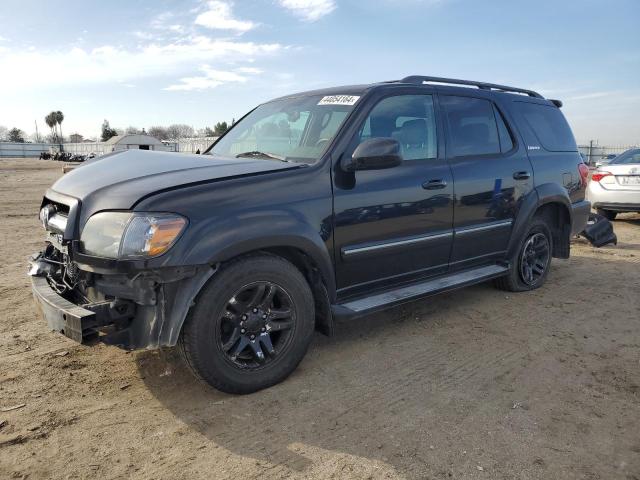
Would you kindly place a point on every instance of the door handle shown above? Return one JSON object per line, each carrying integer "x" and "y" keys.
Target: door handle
{"x": 521, "y": 176}
{"x": 434, "y": 184}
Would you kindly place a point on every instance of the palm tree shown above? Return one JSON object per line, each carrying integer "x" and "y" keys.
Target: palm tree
{"x": 59, "y": 116}
{"x": 51, "y": 122}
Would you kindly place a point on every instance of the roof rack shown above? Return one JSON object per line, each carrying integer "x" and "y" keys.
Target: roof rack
{"x": 420, "y": 79}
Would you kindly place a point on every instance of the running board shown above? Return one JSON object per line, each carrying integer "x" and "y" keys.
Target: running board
{"x": 362, "y": 306}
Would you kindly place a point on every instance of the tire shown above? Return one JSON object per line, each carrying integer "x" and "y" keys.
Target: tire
{"x": 608, "y": 214}
{"x": 217, "y": 317}
{"x": 515, "y": 280}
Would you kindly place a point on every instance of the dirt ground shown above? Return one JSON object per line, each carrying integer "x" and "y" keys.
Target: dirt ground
{"x": 471, "y": 384}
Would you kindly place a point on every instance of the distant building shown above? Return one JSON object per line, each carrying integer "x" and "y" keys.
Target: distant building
{"x": 76, "y": 138}
{"x": 135, "y": 142}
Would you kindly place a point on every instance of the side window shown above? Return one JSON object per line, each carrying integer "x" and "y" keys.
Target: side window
{"x": 410, "y": 119}
{"x": 506, "y": 140}
{"x": 549, "y": 125}
{"x": 472, "y": 126}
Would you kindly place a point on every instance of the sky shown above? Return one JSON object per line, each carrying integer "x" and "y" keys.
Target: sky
{"x": 144, "y": 63}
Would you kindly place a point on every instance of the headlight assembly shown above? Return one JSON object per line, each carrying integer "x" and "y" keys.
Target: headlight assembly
{"x": 130, "y": 235}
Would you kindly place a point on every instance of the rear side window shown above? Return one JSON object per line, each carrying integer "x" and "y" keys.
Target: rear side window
{"x": 472, "y": 126}
{"x": 549, "y": 125}
{"x": 506, "y": 140}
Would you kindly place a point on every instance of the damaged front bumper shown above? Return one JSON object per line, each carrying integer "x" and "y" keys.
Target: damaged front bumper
{"x": 76, "y": 322}
{"x": 143, "y": 310}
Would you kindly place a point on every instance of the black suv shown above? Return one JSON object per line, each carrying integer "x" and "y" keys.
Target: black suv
{"x": 316, "y": 206}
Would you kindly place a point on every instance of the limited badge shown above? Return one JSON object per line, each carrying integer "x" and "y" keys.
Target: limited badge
{"x": 339, "y": 100}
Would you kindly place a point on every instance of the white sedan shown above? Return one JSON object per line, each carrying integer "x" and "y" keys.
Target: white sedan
{"x": 616, "y": 187}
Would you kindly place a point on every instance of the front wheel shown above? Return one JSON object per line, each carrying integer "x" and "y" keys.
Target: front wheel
{"x": 530, "y": 264}
{"x": 251, "y": 325}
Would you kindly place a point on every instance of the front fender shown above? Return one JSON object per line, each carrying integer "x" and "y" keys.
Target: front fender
{"x": 228, "y": 237}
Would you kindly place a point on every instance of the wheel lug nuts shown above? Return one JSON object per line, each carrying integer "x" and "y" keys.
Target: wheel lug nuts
{"x": 255, "y": 310}
{"x": 252, "y": 337}
{"x": 263, "y": 329}
{"x": 244, "y": 317}
{"x": 264, "y": 315}
{"x": 242, "y": 330}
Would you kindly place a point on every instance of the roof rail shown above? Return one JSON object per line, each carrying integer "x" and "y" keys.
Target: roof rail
{"x": 420, "y": 79}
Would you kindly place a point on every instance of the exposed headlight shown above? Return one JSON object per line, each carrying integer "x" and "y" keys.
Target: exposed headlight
{"x": 128, "y": 235}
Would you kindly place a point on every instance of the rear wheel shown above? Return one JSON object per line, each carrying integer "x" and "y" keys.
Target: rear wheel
{"x": 251, "y": 325}
{"x": 531, "y": 262}
{"x": 608, "y": 214}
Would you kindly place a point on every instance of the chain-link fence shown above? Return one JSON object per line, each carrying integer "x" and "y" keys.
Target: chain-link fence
{"x": 595, "y": 153}
{"x": 194, "y": 145}
{"x": 592, "y": 151}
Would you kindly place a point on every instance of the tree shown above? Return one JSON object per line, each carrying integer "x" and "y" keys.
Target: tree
{"x": 208, "y": 132}
{"x": 107, "y": 131}
{"x": 4, "y": 133}
{"x": 131, "y": 130}
{"x": 34, "y": 138}
{"x": 16, "y": 135}
{"x": 179, "y": 130}
{"x": 220, "y": 128}
{"x": 51, "y": 122}
{"x": 59, "y": 116}
{"x": 159, "y": 132}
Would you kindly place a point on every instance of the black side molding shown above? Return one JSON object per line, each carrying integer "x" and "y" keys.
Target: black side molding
{"x": 380, "y": 301}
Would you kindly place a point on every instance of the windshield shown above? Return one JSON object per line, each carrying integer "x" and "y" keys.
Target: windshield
{"x": 627, "y": 158}
{"x": 293, "y": 129}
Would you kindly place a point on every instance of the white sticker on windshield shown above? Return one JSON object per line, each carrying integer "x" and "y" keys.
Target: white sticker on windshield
{"x": 339, "y": 100}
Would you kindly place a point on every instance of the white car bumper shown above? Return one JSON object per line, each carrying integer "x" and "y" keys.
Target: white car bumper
{"x": 614, "y": 200}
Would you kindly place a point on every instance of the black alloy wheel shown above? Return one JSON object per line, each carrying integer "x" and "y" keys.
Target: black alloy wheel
{"x": 534, "y": 259}
{"x": 256, "y": 325}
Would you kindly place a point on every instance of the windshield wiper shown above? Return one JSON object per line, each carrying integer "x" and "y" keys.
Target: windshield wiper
{"x": 258, "y": 154}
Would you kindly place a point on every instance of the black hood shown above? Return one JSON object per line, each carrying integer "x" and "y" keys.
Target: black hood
{"x": 119, "y": 180}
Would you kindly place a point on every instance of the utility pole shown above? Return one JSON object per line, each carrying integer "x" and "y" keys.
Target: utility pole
{"x": 590, "y": 151}
{"x": 37, "y": 134}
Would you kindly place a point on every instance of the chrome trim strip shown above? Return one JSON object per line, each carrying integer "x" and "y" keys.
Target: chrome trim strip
{"x": 348, "y": 251}
{"x": 57, "y": 223}
{"x": 483, "y": 227}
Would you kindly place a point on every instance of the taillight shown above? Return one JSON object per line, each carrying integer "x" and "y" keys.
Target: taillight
{"x": 584, "y": 173}
{"x": 597, "y": 176}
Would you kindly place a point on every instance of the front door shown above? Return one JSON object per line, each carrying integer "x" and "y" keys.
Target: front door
{"x": 492, "y": 173}
{"x": 394, "y": 225}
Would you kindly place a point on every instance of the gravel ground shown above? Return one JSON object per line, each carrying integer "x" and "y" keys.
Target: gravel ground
{"x": 471, "y": 384}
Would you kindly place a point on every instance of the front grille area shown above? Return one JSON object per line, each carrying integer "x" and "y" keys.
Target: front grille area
{"x": 55, "y": 263}
{"x": 60, "y": 207}
{"x": 57, "y": 223}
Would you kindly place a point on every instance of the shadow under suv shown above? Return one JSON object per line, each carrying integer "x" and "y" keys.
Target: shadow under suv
{"x": 316, "y": 206}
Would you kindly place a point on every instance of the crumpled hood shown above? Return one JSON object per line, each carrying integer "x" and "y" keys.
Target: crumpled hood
{"x": 119, "y": 180}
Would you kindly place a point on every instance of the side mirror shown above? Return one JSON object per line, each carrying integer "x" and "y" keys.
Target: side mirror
{"x": 374, "y": 154}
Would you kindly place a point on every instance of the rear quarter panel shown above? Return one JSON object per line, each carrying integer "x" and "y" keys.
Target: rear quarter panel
{"x": 560, "y": 168}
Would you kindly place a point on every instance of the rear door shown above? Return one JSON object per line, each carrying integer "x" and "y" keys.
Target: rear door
{"x": 491, "y": 172}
